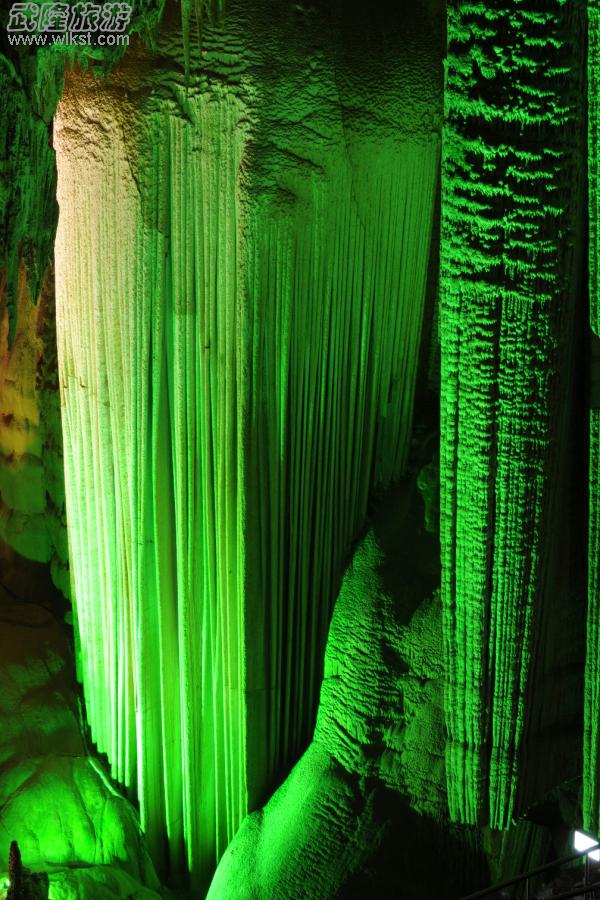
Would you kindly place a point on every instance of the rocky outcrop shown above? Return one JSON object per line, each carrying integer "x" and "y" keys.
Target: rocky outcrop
{"x": 365, "y": 809}
{"x": 32, "y": 494}
{"x": 55, "y": 798}
{"x": 98, "y": 883}
{"x": 32, "y": 503}
{"x": 381, "y": 713}
{"x": 242, "y": 261}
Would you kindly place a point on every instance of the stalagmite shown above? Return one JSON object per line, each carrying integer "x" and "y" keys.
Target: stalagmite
{"x": 511, "y": 186}
{"x": 241, "y": 270}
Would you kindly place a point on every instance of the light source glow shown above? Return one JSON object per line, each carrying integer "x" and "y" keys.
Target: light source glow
{"x": 582, "y": 842}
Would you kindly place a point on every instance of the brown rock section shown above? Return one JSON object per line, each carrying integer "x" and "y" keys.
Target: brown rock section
{"x": 32, "y": 497}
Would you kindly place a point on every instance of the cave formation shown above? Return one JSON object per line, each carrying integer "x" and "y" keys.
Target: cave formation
{"x": 299, "y": 451}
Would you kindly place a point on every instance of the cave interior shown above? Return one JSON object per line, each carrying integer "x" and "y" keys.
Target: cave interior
{"x": 299, "y": 448}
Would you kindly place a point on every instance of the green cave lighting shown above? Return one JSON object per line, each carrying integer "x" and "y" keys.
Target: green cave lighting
{"x": 591, "y": 746}
{"x": 237, "y": 370}
{"x": 255, "y": 264}
{"x": 511, "y": 179}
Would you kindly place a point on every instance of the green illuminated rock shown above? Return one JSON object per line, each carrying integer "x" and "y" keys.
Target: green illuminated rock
{"x": 248, "y": 203}
{"x": 591, "y": 753}
{"x": 28, "y": 209}
{"x": 510, "y": 258}
{"x": 31, "y": 474}
{"x": 381, "y": 709}
{"x": 97, "y": 883}
{"x": 365, "y": 809}
{"x": 242, "y": 258}
{"x": 55, "y": 799}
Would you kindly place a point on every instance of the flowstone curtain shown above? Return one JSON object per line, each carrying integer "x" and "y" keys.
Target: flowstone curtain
{"x": 150, "y": 338}
{"x": 510, "y": 178}
{"x": 237, "y": 373}
{"x": 335, "y": 341}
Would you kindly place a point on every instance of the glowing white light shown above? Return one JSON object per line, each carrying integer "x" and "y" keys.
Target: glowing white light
{"x": 582, "y": 841}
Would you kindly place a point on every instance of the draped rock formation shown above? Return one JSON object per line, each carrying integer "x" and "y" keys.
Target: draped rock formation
{"x": 241, "y": 259}
{"x": 245, "y": 312}
{"x": 510, "y": 269}
{"x": 366, "y": 805}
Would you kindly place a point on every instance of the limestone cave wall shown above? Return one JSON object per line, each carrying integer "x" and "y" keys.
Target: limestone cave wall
{"x": 311, "y": 466}
{"x": 32, "y": 504}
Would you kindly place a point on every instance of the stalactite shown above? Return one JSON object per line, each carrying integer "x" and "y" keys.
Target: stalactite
{"x": 510, "y": 189}
{"x": 241, "y": 273}
{"x": 330, "y": 408}
{"x": 239, "y": 333}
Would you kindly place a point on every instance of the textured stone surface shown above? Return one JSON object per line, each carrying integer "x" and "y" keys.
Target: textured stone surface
{"x": 591, "y": 763}
{"x": 97, "y": 883}
{"x": 242, "y": 259}
{"x": 32, "y": 503}
{"x": 381, "y": 708}
{"x": 32, "y": 498}
{"x": 365, "y": 809}
{"x": 30, "y": 84}
{"x": 62, "y": 811}
{"x": 55, "y": 799}
{"x": 316, "y": 828}
{"x": 511, "y": 257}
{"x": 267, "y": 210}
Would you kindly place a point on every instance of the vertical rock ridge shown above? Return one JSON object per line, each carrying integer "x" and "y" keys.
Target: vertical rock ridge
{"x": 239, "y": 323}
{"x": 509, "y": 202}
{"x": 591, "y": 749}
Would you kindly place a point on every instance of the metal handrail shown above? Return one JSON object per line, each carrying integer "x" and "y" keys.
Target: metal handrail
{"x": 584, "y": 889}
{"x": 525, "y": 876}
